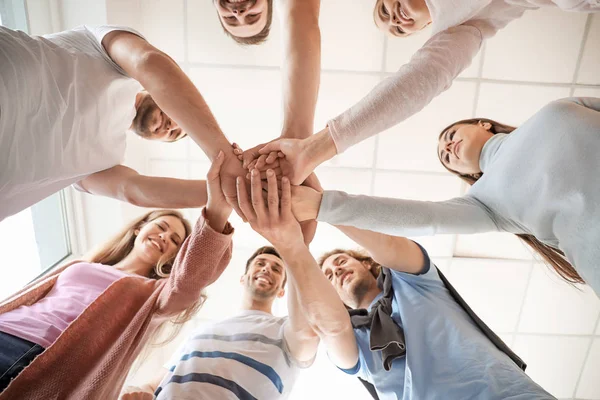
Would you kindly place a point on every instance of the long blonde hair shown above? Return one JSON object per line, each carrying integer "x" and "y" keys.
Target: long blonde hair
{"x": 122, "y": 243}
{"x": 555, "y": 258}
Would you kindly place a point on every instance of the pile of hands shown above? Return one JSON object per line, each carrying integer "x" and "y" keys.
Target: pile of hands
{"x": 270, "y": 186}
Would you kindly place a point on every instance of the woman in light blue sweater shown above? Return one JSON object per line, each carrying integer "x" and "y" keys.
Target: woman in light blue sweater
{"x": 540, "y": 181}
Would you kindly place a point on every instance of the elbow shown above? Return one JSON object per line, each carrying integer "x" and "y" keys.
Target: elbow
{"x": 129, "y": 192}
{"x": 149, "y": 62}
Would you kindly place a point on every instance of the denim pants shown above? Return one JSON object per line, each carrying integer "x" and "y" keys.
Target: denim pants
{"x": 15, "y": 355}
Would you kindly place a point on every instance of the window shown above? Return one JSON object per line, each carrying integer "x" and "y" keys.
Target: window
{"x": 37, "y": 238}
{"x": 13, "y": 14}
{"x": 33, "y": 241}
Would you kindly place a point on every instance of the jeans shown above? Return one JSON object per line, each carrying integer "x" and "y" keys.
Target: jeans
{"x": 15, "y": 355}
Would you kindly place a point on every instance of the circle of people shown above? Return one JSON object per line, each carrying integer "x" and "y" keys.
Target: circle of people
{"x": 387, "y": 316}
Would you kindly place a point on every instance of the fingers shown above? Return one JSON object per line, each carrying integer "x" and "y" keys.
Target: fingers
{"x": 272, "y": 195}
{"x": 272, "y": 157}
{"x": 286, "y": 198}
{"x": 261, "y": 161}
{"x": 245, "y": 207}
{"x": 257, "y": 200}
{"x": 270, "y": 147}
{"x": 313, "y": 182}
{"x": 215, "y": 168}
{"x": 263, "y": 175}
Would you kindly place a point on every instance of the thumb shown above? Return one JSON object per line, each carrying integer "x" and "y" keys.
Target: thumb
{"x": 272, "y": 147}
{"x": 215, "y": 168}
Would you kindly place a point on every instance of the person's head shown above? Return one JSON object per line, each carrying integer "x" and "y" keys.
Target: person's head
{"x": 352, "y": 274}
{"x": 459, "y": 149}
{"x": 151, "y": 123}
{"x": 461, "y": 143}
{"x": 265, "y": 275}
{"x": 154, "y": 239}
{"x": 245, "y": 21}
{"x": 400, "y": 18}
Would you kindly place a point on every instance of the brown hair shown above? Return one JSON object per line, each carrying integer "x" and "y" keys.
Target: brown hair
{"x": 555, "y": 258}
{"x": 360, "y": 256}
{"x": 266, "y": 250}
{"x": 122, "y": 243}
{"x": 261, "y": 36}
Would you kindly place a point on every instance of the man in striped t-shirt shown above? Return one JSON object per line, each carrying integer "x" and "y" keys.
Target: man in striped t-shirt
{"x": 253, "y": 355}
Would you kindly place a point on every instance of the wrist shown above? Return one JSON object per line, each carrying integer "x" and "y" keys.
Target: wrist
{"x": 322, "y": 146}
{"x": 291, "y": 250}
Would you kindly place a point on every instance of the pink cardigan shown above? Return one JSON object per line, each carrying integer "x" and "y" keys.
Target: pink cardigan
{"x": 91, "y": 358}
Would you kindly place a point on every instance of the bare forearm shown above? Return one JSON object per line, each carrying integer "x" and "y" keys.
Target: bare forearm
{"x": 321, "y": 305}
{"x": 146, "y": 191}
{"x": 394, "y": 252}
{"x": 177, "y": 96}
{"x": 319, "y": 300}
{"x": 301, "y": 66}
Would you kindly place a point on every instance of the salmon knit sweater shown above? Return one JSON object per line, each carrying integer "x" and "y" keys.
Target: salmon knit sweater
{"x": 91, "y": 358}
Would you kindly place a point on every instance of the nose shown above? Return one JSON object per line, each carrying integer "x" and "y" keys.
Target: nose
{"x": 338, "y": 271}
{"x": 448, "y": 146}
{"x": 239, "y": 9}
{"x": 394, "y": 20}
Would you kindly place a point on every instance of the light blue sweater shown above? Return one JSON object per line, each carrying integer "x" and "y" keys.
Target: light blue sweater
{"x": 542, "y": 179}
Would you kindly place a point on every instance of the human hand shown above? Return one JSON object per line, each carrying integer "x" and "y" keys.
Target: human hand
{"x": 309, "y": 227}
{"x": 217, "y": 208}
{"x": 230, "y": 170}
{"x": 306, "y": 203}
{"x": 135, "y": 393}
{"x": 250, "y": 155}
{"x": 274, "y": 221}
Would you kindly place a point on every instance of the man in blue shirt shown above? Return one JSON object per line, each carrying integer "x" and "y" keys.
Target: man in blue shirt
{"x": 419, "y": 343}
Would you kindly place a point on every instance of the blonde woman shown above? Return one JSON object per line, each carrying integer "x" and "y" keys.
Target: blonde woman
{"x": 75, "y": 333}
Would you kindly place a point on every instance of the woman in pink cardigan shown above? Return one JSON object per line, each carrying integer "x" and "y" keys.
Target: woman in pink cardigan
{"x": 459, "y": 28}
{"x": 74, "y": 333}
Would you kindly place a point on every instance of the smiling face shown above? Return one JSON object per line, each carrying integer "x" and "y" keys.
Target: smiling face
{"x": 351, "y": 278}
{"x": 401, "y": 18}
{"x": 265, "y": 276}
{"x": 243, "y": 18}
{"x": 459, "y": 147}
{"x": 152, "y": 123}
{"x": 159, "y": 239}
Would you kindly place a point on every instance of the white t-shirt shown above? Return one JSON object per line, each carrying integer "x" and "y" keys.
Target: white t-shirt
{"x": 245, "y": 357}
{"x": 65, "y": 107}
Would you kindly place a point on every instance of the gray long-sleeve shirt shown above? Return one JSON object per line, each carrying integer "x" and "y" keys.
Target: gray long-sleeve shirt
{"x": 542, "y": 179}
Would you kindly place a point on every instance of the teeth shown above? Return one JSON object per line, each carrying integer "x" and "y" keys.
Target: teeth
{"x": 403, "y": 14}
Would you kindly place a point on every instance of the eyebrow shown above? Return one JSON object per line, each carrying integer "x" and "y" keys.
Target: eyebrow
{"x": 175, "y": 233}
{"x": 236, "y": 23}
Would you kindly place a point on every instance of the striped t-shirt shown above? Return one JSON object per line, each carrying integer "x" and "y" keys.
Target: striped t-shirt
{"x": 245, "y": 357}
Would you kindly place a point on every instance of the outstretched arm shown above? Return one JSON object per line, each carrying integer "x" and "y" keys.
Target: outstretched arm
{"x": 125, "y": 184}
{"x": 177, "y": 96}
{"x": 321, "y": 305}
{"x": 301, "y": 73}
{"x": 398, "y": 217}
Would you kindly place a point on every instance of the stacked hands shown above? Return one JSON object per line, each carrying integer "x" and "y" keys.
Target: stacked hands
{"x": 275, "y": 190}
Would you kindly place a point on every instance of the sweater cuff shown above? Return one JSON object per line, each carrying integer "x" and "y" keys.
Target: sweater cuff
{"x": 331, "y": 209}
{"x": 227, "y": 231}
{"x": 338, "y": 140}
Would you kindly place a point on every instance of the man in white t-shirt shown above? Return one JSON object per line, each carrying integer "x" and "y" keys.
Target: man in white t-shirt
{"x": 68, "y": 99}
{"x": 252, "y": 355}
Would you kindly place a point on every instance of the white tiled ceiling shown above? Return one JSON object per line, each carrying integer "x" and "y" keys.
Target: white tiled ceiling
{"x": 546, "y": 55}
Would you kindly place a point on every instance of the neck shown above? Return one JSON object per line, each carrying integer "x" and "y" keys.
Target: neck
{"x": 132, "y": 264}
{"x": 250, "y": 302}
{"x": 368, "y": 298}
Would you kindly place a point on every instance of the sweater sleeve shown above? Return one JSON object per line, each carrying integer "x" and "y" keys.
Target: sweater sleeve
{"x": 397, "y": 217}
{"x": 201, "y": 260}
{"x": 430, "y": 72}
{"x": 593, "y": 103}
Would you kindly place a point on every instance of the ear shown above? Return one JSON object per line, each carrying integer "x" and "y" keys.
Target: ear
{"x": 367, "y": 265}
{"x": 485, "y": 125}
{"x": 242, "y": 279}
{"x": 136, "y": 232}
{"x": 281, "y": 293}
